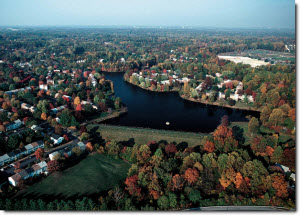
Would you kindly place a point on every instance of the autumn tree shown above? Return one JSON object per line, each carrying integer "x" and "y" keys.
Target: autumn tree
{"x": 280, "y": 185}
{"x": 170, "y": 149}
{"x": 44, "y": 116}
{"x": 77, "y": 101}
{"x": 132, "y": 186}
{"x": 209, "y": 146}
{"x": 39, "y": 153}
{"x": 53, "y": 166}
{"x": 191, "y": 175}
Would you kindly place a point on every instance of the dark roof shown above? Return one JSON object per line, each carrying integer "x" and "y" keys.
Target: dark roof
{"x": 23, "y": 174}
{"x": 29, "y": 170}
{"x": 40, "y": 142}
{"x": 23, "y": 149}
{"x": 18, "y": 151}
{"x": 55, "y": 136}
{"x": 11, "y": 154}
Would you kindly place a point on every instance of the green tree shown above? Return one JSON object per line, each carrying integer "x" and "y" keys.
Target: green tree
{"x": 253, "y": 125}
{"x": 163, "y": 202}
{"x": 195, "y": 196}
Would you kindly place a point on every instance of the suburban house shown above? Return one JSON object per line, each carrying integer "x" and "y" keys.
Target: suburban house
{"x": 36, "y": 169}
{"x": 56, "y": 138}
{"x": 67, "y": 151}
{"x": 43, "y": 87}
{"x": 4, "y": 159}
{"x": 28, "y": 107}
{"x": 16, "y": 154}
{"x": 11, "y": 92}
{"x": 14, "y": 125}
{"x": 37, "y": 128}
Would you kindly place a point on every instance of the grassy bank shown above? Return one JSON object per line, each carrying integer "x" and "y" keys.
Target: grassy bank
{"x": 143, "y": 135}
{"x": 94, "y": 174}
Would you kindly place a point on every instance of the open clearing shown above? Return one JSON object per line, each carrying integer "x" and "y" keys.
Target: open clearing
{"x": 145, "y": 135}
{"x": 244, "y": 60}
{"x": 94, "y": 174}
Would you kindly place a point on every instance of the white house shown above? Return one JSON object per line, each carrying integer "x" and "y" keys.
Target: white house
{"x": 56, "y": 138}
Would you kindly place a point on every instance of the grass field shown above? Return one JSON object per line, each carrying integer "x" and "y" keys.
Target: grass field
{"x": 94, "y": 174}
{"x": 142, "y": 136}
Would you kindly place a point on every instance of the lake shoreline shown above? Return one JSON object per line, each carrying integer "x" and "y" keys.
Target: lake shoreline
{"x": 218, "y": 104}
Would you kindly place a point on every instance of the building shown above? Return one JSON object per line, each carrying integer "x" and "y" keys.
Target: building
{"x": 4, "y": 159}
{"x": 36, "y": 169}
{"x": 28, "y": 107}
{"x": 14, "y": 125}
{"x": 56, "y": 138}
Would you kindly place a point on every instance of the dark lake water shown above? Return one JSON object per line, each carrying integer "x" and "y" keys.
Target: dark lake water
{"x": 152, "y": 110}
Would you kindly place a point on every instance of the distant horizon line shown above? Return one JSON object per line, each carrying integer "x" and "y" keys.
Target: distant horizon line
{"x": 149, "y": 26}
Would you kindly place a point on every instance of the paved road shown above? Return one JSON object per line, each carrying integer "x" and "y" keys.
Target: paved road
{"x": 240, "y": 208}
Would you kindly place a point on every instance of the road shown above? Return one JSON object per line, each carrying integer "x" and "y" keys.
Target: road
{"x": 240, "y": 208}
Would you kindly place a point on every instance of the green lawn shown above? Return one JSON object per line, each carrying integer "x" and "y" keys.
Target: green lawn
{"x": 142, "y": 136}
{"x": 94, "y": 174}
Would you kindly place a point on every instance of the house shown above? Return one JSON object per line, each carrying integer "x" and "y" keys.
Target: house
{"x": 28, "y": 107}
{"x": 4, "y": 159}
{"x": 36, "y": 169}
{"x": 81, "y": 145}
{"x": 52, "y": 155}
{"x": 43, "y": 87}
{"x": 13, "y": 125}
{"x": 29, "y": 148}
{"x": 37, "y": 128}
{"x": 56, "y": 138}
{"x": 35, "y": 146}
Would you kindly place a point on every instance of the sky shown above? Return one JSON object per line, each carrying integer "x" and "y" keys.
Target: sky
{"x": 201, "y": 13}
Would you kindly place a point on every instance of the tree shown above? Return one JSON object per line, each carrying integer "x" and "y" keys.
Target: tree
{"x": 292, "y": 114}
{"x": 170, "y": 149}
{"x": 225, "y": 120}
{"x": 253, "y": 125}
{"x": 191, "y": 175}
{"x": 195, "y": 196}
{"x": 44, "y": 116}
{"x": 66, "y": 117}
{"x": 74, "y": 123}
{"x": 177, "y": 182}
{"x": 275, "y": 98}
{"x": 53, "y": 166}
{"x": 277, "y": 155}
{"x": 276, "y": 117}
{"x": 77, "y": 151}
{"x": 209, "y": 147}
{"x": 280, "y": 185}
{"x": 227, "y": 94}
{"x": 39, "y": 153}
{"x": 163, "y": 202}
{"x": 58, "y": 129}
{"x": 132, "y": 186}
{"x": 89, "y": 146}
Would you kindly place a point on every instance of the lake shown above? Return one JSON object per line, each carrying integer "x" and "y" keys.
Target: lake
{"x": 148, "y": 109}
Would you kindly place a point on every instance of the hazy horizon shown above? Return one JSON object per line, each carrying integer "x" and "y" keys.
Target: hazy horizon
{"x": 269, "y": 14}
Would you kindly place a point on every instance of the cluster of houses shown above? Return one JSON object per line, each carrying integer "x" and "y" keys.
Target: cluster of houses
{"x": 68, "y": 150}
{"x": 41, "y": 167}
{"x": 14, "y": 125}
{"x": 234, "y": 96}
{"x": 164, "y": 82}
{"x": 36, "y": 169}
{"x": 14, "y": 155}
{"x": 13, "y": 92}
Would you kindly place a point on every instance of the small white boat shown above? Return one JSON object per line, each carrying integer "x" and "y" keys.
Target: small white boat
{"x": 167, "y": 123}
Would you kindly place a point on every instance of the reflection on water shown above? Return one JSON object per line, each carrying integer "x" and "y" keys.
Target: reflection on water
{"x": 152, "y": 110}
